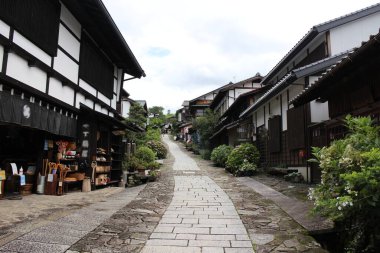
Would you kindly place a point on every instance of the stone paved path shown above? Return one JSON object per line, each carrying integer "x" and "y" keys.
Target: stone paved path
{"x": 200, "y": 218}
{"x": 59, "y": 235}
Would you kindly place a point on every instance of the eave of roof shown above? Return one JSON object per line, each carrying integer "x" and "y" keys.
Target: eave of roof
{"x": 96, "y": 20}
{"x": 292, "y": 76}
{"x": 231, "y": 86}
{"x": 310, "y": 92}
{"x": 241, "y": 96}
{"x": 313, "y": 33}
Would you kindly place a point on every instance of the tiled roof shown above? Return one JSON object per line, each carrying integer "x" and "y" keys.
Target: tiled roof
{"x": 292, "y": 76}
{"x": 315, "y": 30}
{"x": 339, "y": 64}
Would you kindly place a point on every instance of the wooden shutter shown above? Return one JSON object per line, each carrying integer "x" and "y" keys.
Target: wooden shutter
{"x": 296, "y": 128}
{"x": 95, "y": 68}
{"x": 37, "y": 20}
{"x": 274, "y": 134}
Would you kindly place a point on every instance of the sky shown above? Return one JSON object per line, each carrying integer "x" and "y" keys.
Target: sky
{"x": 188, "y": 48}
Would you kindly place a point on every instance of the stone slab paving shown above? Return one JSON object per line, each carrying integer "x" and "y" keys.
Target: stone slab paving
{"x": 59, "y": 235}
{"x": 182, "y": 161}
{"x": 200, "y": 218}
{"x": 298, "y": 210}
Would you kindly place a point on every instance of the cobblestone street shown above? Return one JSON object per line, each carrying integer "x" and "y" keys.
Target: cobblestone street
{"x": 192, "y": 207}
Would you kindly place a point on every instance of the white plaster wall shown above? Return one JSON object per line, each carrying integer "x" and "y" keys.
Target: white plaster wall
{"x": 18, "y": 69}
{"x": 87, "y": 87}
{"x": 125, "y": 107}
{"x": 115, "y": 71}
{"x": 266, "y": 115}
{"x": 260, "y": 116}
{"x": 70, "y": 21}
{"x": 4, "y": 29}
{"x": 113, "y": 102}
{"x": 63, "y": 93}
{"x": 230, "y": 102}
{"x": 209, "y": 96}
{"x": 104, "y": 111}
{"x": 98, "y": 108}
{"x": 81, "y": 99}
{"x": 1, "y": 56}
{"x": 68, "y": 42}
{"x": 104, "y": 98}
{"x": 114, "y": 85}
{"x": 275, "y": 107}
{"x": 319, "y": 112}
{"x": 294, "y": 90}
{"x": 119, "y": 80}
{"x": 238, "y": 92}
{"x": 67, "y": 67}
{"x": 31, "y": 48}
{"x": 351, "y": 35}
{"x": 110, "y": 114}
{"x": 284, "y": 110}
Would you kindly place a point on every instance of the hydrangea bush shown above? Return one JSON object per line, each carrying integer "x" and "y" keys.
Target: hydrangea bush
{"x": 349, "y": 192}
{"x": 159, "y": 148}
{"x": 243, "y": 160}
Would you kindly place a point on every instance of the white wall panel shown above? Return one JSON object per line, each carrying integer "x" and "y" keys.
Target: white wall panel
{"x": 113, "y": 103}
{"x": 348, "y": 36}
{"x": 294, "y": 90}
{"x": 104, "y": 98}
{"x": 119, "y": 80}
{"x": 125, "y": 107}
{"x": 104, "y": 111}
{"x": 4, "y": 29}
{"x": 63, "y": 93}
{"x": 275, "y": 107}
{"x": 284, "y": 111}
{"x": 238, "y": 92}
{"x": 89, "y": 103}
{"x": 114, "y": 85}
{"x": 80, "y": 99}
{"x": 70, "y": 21}
{"x": 18, "y": 69}
{"x": 98, "y": 108}
{"x": 319, "y": 112}
{"x": 87, "y": 87}
{"x": 260, "y": 116}
{"x": 266, "y": 115}
{"x": 31, "y": 48}
{"x": 67, "y": 67}
{"x": 1, "y": 57}
{"x": 68, "y": 42}
{"x": 110, "y": 114}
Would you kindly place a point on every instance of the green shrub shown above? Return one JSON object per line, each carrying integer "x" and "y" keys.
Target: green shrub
{"x": 242, "y": 154}
{"x": 246, "y": 169}
{"x": 349, "y": 192}
{"x": 205, "y": 154}
{"x": 134, "y": 164}
{"x": 220, "y": 154}
{"x": 159, "y": 148}
{"x": 145, "y": 154}
{"x": 153, "y": 135}
{"x": 153, "y": 166}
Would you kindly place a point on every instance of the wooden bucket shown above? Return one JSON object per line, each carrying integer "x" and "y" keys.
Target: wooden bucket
{"x": 51, "y": 187}
{"x": 86, "y": 185}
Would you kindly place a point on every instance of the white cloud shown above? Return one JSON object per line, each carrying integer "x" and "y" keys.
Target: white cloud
{"x": 188, "y": 48}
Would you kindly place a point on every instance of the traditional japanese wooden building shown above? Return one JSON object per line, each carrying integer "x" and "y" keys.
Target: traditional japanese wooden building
{"x": 351, "y": 86}
{"x": 233, "y": 130}
{"x": 281, "y": 129}
{"x": 63, "y": 65}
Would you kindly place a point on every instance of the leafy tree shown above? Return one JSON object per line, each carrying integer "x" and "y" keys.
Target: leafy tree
{"x": 205, "y": 126}
{"x": 156, "y": 116}
{"x": 349, "y": 192}
{"x": 137, "y": 115}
